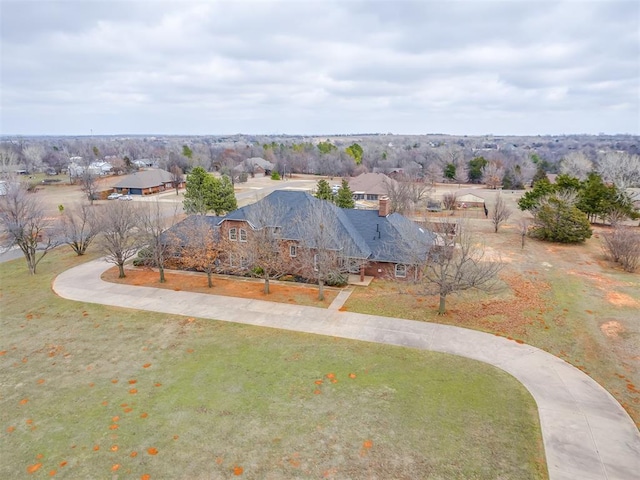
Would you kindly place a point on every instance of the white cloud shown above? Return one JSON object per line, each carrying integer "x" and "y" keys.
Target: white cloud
{"x": 320, "y": 66}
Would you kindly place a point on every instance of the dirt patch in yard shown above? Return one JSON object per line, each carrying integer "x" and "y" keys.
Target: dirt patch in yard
{"x": 510, "y": 316}
{"x": 622, "y": 300}
{"x": 281, "y": 292}
{"x": 612, "y": 328}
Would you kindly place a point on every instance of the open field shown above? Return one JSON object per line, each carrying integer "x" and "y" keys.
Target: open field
{"x": 90, "y": 391}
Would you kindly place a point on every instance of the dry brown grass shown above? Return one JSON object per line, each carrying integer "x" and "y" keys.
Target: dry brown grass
{"x": 566, "y": 299}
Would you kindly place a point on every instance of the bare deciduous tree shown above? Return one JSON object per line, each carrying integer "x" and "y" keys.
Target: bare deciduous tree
{"x": 323, "y": 245}
{"x": 79, "y": 227}
{"x": 576, "y": 164}
{"x": 433, "y": 173}
{"x": 499, "y": 212}
{"x": 8, "y": 161}
{"x": 24, "y": 224}
{"x": 120, "y": 236}
{"x": 199, "y": 245}
{"x": 620, "y": 168}
{"x": 622, "y": 245}
{"x": 458, "y": 263}
{"x": 406, "y": 193}
{"x": 492, "y": 174}
{"x": 154, "y": 222}
{"x": 89, "y": 184}
{"x": 176, "y": 176}
{"x": 462, "y": 173}
{"x": 523, "y": 225}
{"x": 32, "y": 155}
{"x": 265, "y": 241}
{"x": 453, "y": 155}
{"x": 449, "y": 201}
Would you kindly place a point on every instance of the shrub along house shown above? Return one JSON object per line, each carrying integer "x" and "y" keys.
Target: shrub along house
{"x": 367, "y": 242}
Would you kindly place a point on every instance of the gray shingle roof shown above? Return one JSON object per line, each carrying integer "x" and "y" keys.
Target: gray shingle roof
{"x": 145, "y": 179}
{"x": 393, "y": 239}
{"x": 362, "y": 233}
{"x": 294, "y": 206}
{"x": 182, "y": 230}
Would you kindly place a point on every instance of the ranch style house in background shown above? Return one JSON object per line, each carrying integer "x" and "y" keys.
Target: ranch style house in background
{"x": 146, "y": 182}
{"x": 370, "y": 186}
{"x": 368, "y": 242}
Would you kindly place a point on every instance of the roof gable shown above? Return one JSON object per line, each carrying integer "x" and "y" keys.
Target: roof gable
{"x": 291, "y": 206}
{"x": 394, "y": 238}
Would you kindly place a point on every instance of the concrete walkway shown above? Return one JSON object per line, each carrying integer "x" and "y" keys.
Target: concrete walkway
{"x": 587, "y": 434}
{"x": 341, "y": 298}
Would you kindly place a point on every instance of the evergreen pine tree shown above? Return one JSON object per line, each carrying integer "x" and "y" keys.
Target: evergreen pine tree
{"x": 344, "y": 197}
{"x": 198, "y": 190}
{"x": 205, "y": 193}
{"x": 223, "y": 198}
{"x": 323, "y": 190}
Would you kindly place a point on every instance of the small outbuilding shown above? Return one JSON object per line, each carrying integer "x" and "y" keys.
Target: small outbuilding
{"x": 469, "y": 200}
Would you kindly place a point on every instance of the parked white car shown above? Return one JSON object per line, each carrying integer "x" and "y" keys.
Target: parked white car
{"x": 125, "y": 197}
{"x": 114, "y": 196}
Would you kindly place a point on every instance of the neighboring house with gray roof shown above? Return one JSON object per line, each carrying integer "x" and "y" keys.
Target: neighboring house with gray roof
{"x": 370, "y": 186}
{"x": 146, "y": 182}
{"x": 255, "y": 165}
{"x": 369, "y": 242}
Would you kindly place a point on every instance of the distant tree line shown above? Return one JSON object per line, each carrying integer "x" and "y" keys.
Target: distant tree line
{"x": 510, "y": 162}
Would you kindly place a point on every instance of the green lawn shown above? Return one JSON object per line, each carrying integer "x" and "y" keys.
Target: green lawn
{"x": 86, "y": 386}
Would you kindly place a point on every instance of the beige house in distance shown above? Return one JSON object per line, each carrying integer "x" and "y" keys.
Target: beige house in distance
{"x": 370, "y": 186}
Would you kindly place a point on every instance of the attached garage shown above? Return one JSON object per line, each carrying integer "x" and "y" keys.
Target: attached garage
{"x": 146, "y": 182}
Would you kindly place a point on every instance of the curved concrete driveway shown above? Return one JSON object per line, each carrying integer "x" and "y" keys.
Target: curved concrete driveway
{"x": 587, "y": 434}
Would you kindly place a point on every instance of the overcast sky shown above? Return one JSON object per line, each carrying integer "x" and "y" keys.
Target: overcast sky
{"x": 83, "y": 67}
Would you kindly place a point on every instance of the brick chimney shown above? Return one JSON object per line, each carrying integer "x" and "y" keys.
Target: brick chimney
{"x": 383, "y": 206}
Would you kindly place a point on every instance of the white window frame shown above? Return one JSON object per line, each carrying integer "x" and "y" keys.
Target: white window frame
{"x": 400, "y": 272}
{"x": 293, "y": 250}
{"x": 233, "y": 234}
{"x": 243, "y": 235}
{"x": 315, "y": 262}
